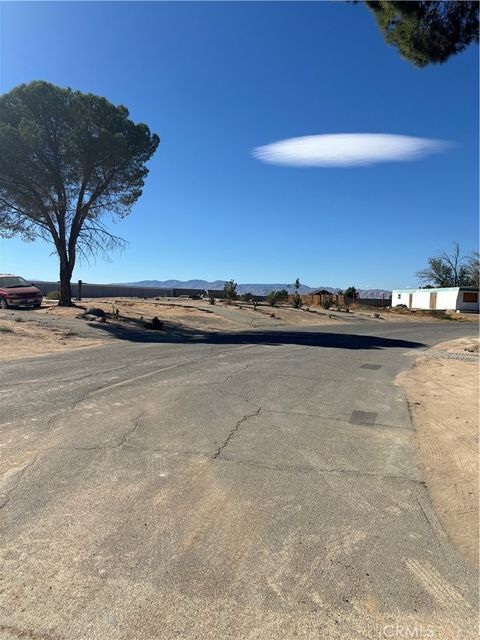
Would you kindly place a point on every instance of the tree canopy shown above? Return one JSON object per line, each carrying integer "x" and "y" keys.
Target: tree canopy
{"x": 427, "y": 32}
{"x": 451, "y": 269}
{"x": 351, "y": 293}
{"x": 68, "y": 160}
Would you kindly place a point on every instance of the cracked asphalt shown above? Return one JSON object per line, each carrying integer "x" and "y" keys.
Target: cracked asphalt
{"x": 257, "y": 485}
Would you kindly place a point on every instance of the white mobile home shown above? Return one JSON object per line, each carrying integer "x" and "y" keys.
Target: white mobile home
{"x": 448, "y": 298}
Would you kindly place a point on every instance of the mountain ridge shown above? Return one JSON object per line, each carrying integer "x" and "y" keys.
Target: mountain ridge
{"x": 254, "y": 288}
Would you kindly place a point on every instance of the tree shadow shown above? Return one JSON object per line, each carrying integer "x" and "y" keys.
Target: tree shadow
{"x": 173, "y": 334}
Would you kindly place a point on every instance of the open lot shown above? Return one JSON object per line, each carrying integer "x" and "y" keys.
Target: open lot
{"x": 251, "y": 484}
{"x": 52, "y": 328}
{"x": 199, "y": 314}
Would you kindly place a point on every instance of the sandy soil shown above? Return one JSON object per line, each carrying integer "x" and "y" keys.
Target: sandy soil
{"x": 443, "y": 396}
{"x": 32, "y": 337}
{"x": 293, "y": 317}
{"x": 29, "y": 338}
{"x": 138, "y": 310}
{"x": 198, "y": 314}
{"x": 414, "y": 316}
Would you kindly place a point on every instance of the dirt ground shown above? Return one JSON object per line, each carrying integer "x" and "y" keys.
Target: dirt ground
{"x": 29, "y": 338}
{"x": 408, "y": 315}
{"x": 443, "y": 395}
{"x": 142, "y": 310}
{"x": 198, "y": 314}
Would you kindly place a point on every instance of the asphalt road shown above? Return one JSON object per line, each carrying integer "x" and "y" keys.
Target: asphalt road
{"x": 260, "y": 485}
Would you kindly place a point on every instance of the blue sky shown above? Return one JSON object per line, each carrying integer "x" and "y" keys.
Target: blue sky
{"x": 217, "y": 80}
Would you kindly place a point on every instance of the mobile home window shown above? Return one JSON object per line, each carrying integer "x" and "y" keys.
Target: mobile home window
{"x": 470, "y": 296}
{"x": 399, "y": 296}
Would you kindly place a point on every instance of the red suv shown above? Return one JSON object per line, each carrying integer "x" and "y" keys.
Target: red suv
{"x": 17, "y": 292}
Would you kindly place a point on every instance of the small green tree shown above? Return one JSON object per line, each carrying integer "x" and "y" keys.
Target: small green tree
{"x": 68, "y": 161}
{"x": 350, "y": 294}
{"x": 297, "y": 298}
{"x": 277, "y": 297}
{"x": 230, "y": 290}
{"x": 272, "y": 298}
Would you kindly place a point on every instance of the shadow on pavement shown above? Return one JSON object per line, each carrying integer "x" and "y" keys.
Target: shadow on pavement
{"x": 315, "y": 338}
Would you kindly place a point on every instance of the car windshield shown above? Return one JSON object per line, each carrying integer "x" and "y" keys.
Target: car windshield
{"x": 10, "y": 282}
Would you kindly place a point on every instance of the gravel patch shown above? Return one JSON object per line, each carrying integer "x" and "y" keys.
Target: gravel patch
{"x": 467, "y": 357}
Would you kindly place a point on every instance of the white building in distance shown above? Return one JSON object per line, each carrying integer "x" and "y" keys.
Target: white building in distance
{"x": 463, "y": 299}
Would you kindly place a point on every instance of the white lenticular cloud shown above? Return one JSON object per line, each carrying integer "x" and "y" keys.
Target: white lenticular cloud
{"x": 347, "y": 150}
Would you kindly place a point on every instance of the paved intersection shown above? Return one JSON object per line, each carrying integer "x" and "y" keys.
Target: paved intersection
{"x": 257, "y": 485}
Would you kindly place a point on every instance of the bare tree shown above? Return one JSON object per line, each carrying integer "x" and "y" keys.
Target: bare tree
{"x": 473, "y": 268}
{"x": 451, "y": 269}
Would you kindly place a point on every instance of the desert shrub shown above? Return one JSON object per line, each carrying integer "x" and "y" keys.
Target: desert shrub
{"x": 247, "y": 297}
{"x": 327, "y": 303}
{"x": 230, "y": 290}
{"x": 5, "y": 329}
{"x": 277, "y": 297}
{"x": 272, "y": 298}
{"x": 53, "y": 295}
{"x": 297, "y": 301}
{"x": 440, "y": 315}
{"x": 402, "y": 308}
{"x": 211, "y": 300}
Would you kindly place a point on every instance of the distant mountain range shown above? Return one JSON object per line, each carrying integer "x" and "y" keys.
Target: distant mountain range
{"x": 256, "y": 289}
